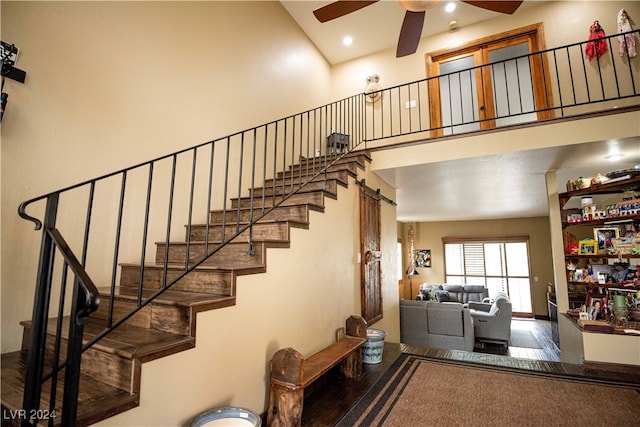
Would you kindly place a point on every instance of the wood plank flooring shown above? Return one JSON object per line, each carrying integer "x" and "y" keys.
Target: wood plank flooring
{"x": 327, "y": 403}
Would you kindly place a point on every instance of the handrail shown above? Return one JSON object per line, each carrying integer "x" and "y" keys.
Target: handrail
{"x": 90, "y": 297}
{"x": 265, "y": 166}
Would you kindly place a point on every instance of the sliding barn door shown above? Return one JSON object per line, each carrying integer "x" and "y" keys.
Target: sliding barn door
{"x": 371, "y": 288}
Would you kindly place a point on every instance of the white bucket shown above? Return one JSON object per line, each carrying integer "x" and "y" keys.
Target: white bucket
{"x": 373, "y": 347}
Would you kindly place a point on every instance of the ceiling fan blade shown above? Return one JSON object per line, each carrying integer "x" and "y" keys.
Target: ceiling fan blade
{"x": 410, "y": 33}
{"x": 339, "y": 8}
{"x": 496, "y": 6}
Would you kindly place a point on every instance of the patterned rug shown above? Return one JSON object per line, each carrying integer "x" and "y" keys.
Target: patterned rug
{"x": 417, "y": 391}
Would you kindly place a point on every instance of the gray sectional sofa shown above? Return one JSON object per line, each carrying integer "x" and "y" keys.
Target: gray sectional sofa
{"x": 439, "y": 325}
{"x": 443, "y": 292}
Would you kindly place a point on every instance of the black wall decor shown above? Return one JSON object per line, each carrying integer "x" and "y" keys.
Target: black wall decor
{"x": 9, "y": 55}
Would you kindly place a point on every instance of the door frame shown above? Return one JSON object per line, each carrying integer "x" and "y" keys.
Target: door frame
{"x": 543, "y": 95}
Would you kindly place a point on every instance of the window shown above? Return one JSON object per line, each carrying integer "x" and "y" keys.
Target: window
{"x": 500, "y": 264}
{"x": 399, "y": 260}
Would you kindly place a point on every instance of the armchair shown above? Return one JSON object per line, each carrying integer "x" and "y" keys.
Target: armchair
{"x": 492, "y": 321}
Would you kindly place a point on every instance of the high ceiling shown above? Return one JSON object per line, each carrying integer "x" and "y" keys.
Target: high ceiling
{"x": 376, "y": 27}
{"x": 468, "y": 188}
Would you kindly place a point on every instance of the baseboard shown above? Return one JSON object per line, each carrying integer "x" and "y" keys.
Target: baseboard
{"x": 541, "y": 317}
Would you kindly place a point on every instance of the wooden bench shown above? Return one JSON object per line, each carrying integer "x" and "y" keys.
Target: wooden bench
{"x": 291, "y": 373}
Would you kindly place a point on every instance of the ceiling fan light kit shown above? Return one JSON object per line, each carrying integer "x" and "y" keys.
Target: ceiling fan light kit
{"x": 411, "y": 30}
{"x": 419, "y": 5}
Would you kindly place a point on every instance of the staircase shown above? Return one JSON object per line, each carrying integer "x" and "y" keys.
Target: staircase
{"x": 111, "y": 369}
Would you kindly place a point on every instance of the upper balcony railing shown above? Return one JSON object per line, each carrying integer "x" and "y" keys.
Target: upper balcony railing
{"x": 91, "y": 228}
{"x": 559, "y": 82}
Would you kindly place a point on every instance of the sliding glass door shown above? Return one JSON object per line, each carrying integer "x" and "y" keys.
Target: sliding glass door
{"x": 500, "y": 265}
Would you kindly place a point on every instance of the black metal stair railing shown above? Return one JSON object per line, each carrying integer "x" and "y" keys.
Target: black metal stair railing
{"x": 114, "y": 217}
{"x": 123, "y": 209}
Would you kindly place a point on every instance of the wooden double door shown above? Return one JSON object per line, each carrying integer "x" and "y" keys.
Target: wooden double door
{"x": 489, "y": 82}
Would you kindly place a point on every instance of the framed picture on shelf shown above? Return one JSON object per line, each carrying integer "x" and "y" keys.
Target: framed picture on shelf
{"x": 604, "y": 235}
{"x": 423, "y": 257}
{"x": 588, "y": 247}
{"x": 596, "y": 300}
{"x": 619, "y": 271}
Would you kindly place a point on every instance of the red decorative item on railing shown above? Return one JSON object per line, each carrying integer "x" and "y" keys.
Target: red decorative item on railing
{"x": 597, "y": 44}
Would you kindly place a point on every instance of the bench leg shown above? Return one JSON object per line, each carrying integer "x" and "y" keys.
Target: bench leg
{"x": 351, "y": 367}
{"x": 285, "y": 406}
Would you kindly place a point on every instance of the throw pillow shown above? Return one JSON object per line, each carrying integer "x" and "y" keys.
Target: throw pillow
{"x": 442, "y": 296}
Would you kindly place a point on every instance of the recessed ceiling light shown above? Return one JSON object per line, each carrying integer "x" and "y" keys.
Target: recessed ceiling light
{"x": 347, "y": 41}
{"x": 450, "y": 7}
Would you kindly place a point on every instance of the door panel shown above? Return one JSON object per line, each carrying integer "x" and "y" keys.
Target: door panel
{"x": 370, "y": 273}
{"x": 458, "y": 95}
{"x": 512, "y": 85}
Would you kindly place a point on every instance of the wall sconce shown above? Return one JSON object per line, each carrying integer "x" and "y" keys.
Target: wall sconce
{"x": 373, "y": 90}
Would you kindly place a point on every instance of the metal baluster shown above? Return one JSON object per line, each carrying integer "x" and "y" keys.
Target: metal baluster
{"x": 116, "y": 248}
{"x": 165, "y": 264}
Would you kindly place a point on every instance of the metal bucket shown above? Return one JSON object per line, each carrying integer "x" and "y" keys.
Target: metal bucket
{"x": 228, "y": 416}
{"x": 373, "y": 347}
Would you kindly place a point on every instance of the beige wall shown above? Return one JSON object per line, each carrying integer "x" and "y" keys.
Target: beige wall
{"x": 428, "y": 235}
{"x": 113, "y": 84}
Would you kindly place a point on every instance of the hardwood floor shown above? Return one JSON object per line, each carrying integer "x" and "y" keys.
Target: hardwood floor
{"x": 540, "y": 332}
{"x": 327, "y": 403}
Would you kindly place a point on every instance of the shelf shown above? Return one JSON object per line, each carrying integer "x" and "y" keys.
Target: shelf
{"x": 606, "y": 221}
{"x": 616, "y": 286}
{"x": 601, "y": 256}
{"x": 605, "y": 188}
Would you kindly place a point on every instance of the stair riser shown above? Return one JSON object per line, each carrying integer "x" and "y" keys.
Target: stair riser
{"x": 286, "y": 213}
{"x": 105, "y": 367}
{"x": 164, "y": 318}
{"x": 232, "y": 254}
{"x": 304, "y": 170}
{"x": 360, "y": 159}
{"x": 316, "y": 199}
{"x": 265, "y": 231}
{"x": 340, "y": 176}
{"x": 213, "y": 282}
{"x": 330, "y": 186}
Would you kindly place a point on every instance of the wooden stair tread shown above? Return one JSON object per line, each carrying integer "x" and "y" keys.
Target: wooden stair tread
{"x": 128, "y": 341}
{"x": 265, "y": 221}
{"x": 168, "y": 297}
{"x": 180, "y": 266}
{"x": 96, "y": 400}
{"x": 213, "y": 243}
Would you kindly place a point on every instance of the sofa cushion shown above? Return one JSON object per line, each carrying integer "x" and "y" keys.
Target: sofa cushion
{"x": 445, "y": 319}
{"x": 442, "y": 296}
{"x": 474, "y": 293}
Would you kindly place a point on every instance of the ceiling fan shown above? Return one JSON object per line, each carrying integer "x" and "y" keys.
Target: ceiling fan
{"x": 413, "y": 19}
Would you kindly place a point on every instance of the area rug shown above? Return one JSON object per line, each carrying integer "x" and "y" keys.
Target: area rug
{"x": 418, "y": 391}
{"x": 523, "y": 338}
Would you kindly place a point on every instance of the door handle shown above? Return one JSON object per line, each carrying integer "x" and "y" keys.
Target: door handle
{"x": 372, "y": 256}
